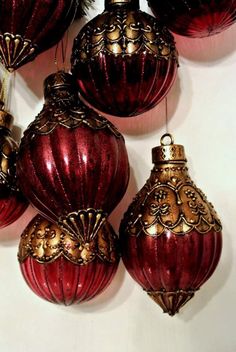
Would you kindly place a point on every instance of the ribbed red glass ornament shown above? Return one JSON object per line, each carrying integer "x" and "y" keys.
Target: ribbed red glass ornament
{"x": 12, "y": 202}
{"x": 195, "y": 18}
{"x": 170, "y": 236}
{"x": 70, "y": 157}
{"x": 28, "y": 27}
{"x": 63, "y": 279}
{"x": 124, "y": 60}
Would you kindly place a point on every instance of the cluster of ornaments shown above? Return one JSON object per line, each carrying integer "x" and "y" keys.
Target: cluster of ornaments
{"x": 72, "y": 164}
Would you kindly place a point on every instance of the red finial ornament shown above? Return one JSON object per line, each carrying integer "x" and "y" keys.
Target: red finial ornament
{"x": 30, "y": 27}
{"x": 170, "y": 236}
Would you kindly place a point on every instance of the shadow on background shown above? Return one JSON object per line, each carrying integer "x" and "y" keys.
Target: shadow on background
{"x": 35, "y": 72}
{"x": 10, "y": 235}
{"x": 206, "y": 50}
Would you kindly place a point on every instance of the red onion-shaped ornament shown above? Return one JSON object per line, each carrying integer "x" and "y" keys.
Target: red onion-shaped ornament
{"x": 170, "y": 236}
{"x": 29, "y": 27}
{"x": 12, "y": 203}
{"x": 71, "y": 158}
{"x": 124, "y": 60}
{"x": 195, "y": 18}
{"x": 68, "y": 268}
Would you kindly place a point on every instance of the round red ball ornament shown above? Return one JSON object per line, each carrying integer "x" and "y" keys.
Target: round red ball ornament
{"x": 28, "y": 27}
{"x": 12, "y": 203}
{"x": 124, "y": 60}
{"x": 195, "y": 18}
{"x": 67, "y": 268}
{"x": 71, "y": 158}
{"x": 170, "y": 236}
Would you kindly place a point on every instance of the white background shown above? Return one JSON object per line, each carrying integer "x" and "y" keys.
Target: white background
{"x": 202, "y": 117}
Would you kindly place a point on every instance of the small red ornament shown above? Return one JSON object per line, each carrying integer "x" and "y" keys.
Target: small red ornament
{"x": 67, "y": 268}
{"x": 71, "y": 158}
{"x": 124, "y": 60}
{"x": 195, "y": 18}
{"x": 12, "y": 203}
{"x": 31, "y": 26}
{"x": 170, "y": 236}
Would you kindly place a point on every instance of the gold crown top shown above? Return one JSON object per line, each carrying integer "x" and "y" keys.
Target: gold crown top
{"x": 168, "y": 152}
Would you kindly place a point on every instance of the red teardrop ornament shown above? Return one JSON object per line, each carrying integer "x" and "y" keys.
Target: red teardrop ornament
{"x": 12, "y": 203}
{"x": 195, "y": 18}
{"x": 170, "y": 236}
{"x": 70, "y": 157}
{"x": 124, "y": 60}
{"x": 63, "y": 268}
{"x": 31, "y": 26}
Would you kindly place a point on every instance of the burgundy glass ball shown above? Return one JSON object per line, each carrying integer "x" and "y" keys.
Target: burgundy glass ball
{"x": 195, "y": 18}
{"x": 124, "y": 60}
{"x": 12, "y": 203}
{"x": 170, "y": 236}
{"x": 58, "y": 270}
{"x": 70, "y": 157}
{"x": 31, "y": 26}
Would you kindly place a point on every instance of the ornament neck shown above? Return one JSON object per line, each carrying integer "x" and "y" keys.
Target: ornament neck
{"x": 60, "y": 87}
{"x": 112, "y": 4}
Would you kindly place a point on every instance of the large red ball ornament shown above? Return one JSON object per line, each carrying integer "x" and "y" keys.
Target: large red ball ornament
{"x": 170, "y": 236}
{"x": 71, "y": 158}
{"x": 195, "y": 18}
{"x": 68, "y": 268}
{"x": 12, "y": 203}
{"x": 28, "y": 27}
{"x": 124, "y": 60}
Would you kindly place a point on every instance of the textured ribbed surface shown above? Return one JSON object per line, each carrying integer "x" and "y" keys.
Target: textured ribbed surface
{"x": 171, "y": 262}
{"x": 72, "y": 169}
{"x": 124, "y": 62}
{"x": 43, "y": 22}
{"x": 11, "y": 208}
{"x": 125, "y": 86}
{"x": 65, "y": 283}
{"x": 195, "y": 18}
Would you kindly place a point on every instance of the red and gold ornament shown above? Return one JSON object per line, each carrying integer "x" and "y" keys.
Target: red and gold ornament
{"x": 170, "y": 236}
{"x": 12, "y": 203}
{"x": 195, "y": 18}
{"x": 124, "y": 60}
{"x": 66, "y": 268}
{"x": 73, "y": 167}
{"x": 29, "y": 27}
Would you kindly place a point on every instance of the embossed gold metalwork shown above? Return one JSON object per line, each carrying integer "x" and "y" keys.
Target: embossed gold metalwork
{"x": 14, "y": 49}
{"x": 122, "y": 31}
{"x": 63, "y": 108}
{"x": 170, "y": 200}
{"x": 171, "y": 302}
{"x": 80, "y": 237}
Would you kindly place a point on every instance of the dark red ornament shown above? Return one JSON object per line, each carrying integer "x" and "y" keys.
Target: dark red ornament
{"x": 124, "y": 60}
{"x": 70, "y": 157}
{"x": 68, "y": 268}
{"x": 28, "y": 27}
{"x": 195, "y": 18}
{"x": 170, "y": 236}
{"x": 12, "y": 203}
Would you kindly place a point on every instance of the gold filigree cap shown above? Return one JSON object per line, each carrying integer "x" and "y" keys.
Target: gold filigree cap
{"x": 59, "y": 80}
{"x": 133, "y": 4}
{"x": 6, "y": 120}
{"x": 168, "y": 151}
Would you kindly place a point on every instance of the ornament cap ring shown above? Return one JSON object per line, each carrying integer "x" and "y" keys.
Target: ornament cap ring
{"x": 167, "y": 136}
